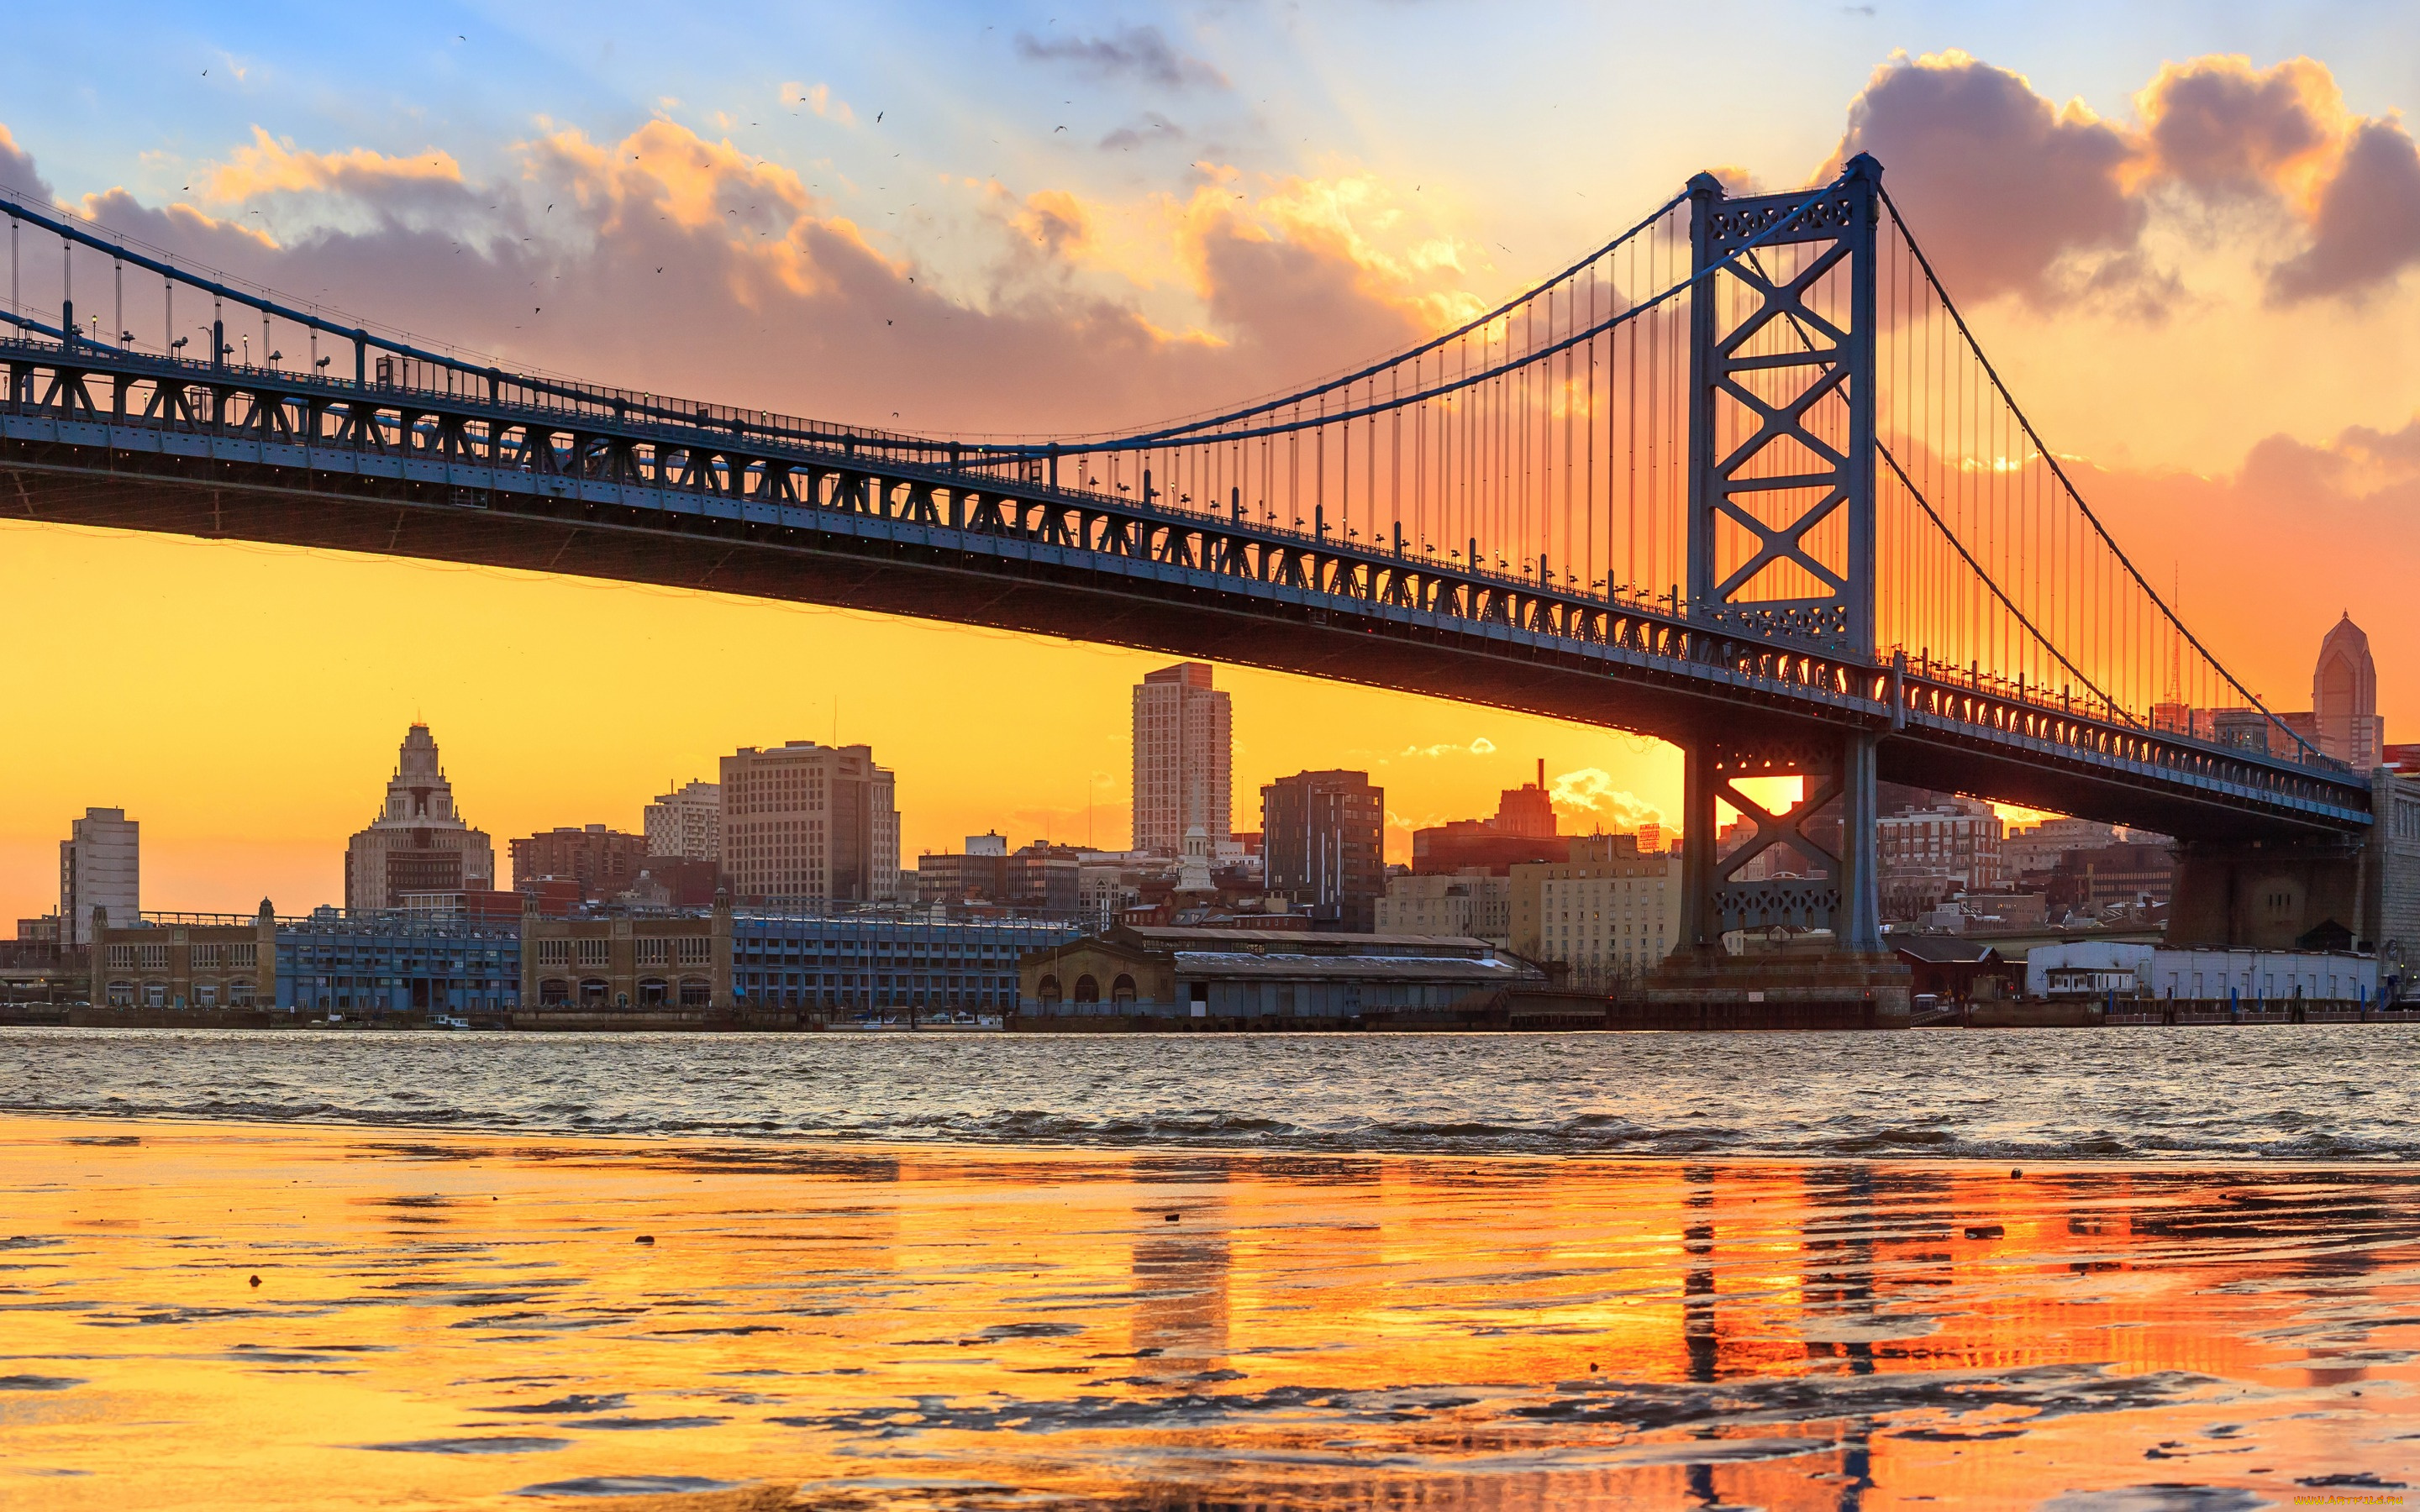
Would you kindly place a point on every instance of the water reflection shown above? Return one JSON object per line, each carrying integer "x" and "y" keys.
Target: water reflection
{"x": 462, "y": 1317}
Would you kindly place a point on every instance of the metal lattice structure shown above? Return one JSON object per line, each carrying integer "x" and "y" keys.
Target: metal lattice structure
{"x": 1740, "y": 479}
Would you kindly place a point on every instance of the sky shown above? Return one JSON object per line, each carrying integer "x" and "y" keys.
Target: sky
{"x": 2184, "y": 232}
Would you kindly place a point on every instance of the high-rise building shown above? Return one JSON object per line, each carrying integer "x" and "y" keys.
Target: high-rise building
{"x": 419, "y": 842}
{"x": 605, "y": 862}
{"x": 100, "y": 866}
{"x": 686, "y": 823}
{"x": 1320, "y": 845}
{"x": 1182, "y": 776}
{"x": 804, "y": 824}
{"x": 2344, "y": 698}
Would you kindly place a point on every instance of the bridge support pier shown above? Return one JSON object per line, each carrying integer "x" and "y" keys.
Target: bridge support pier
{"x": 1785, "y": 930}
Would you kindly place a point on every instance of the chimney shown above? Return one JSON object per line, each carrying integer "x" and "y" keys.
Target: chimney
{"x": 1541, "y": 774}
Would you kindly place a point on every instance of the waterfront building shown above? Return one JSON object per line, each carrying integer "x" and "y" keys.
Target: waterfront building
{"x": 419, "y": 842}
{"x": 1181, "y": 758}
{"x": 2100, "y": 968}
{"x": 361, "y": 968}
{"x": 816, "y": 968}
{"x": 605, "y": 862}
{"x": 809, "y": 825}
{"x": 842, "y": 964}
{"x": 100, "y": 866}
{"x": 201, "y": 963}
{"x": 1473, "y": 902}
{"x": 1296, "y": 979}
{"x": 1320, "y": 845}
{"x": 1607, "y": 911}
{"x": 686, "y": 822}
{"x": 622, "y": 963}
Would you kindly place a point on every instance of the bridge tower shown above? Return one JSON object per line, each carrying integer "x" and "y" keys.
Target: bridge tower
{"x": 1782, "y": 541}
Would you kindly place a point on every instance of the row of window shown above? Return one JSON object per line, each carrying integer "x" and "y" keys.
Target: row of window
{"x": 211, "y": 955}
{"x": 647, "y": 949}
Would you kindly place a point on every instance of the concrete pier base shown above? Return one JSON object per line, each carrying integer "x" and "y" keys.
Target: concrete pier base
{"x": 1776, "y": 990}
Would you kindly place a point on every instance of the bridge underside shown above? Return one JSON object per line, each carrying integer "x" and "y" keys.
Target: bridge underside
{"x": 934, "y": 574}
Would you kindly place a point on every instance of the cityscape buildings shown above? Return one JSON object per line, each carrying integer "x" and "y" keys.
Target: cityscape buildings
{"x": 419, "y": 842}
{"x": 809, "y": 825}
{"x": 1320, "y": 846}
{"x": 1473, "y": 902}
{"x": 100, "y": 866}
{"x": 686, "y": 822}
{"x": 1182, "y": 749}
{"x": 1523, "y": 829}
{"x": 1607, "y": 911}
{"x": 1931, "y": 853}
{"x": 605, "y": 863}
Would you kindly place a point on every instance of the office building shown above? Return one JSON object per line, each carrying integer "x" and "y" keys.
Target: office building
{"x": 605, "y": 862}
{"x": 100, "y": 866}
{"x": 1320, "y": 843}
{"x": 419, "y": 842}
{"x": 809, "y": 825}
{"x": 2344, "y": 698}
{"x": 685, "y": 824}
{"x": 1182, "y": 776}
{"x": 1607, "y": 911}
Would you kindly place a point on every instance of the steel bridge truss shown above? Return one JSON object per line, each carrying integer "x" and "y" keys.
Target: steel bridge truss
{"x": 95, "y": 435}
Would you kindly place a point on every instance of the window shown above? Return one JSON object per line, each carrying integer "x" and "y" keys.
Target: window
{"x": 554, "y": 952}
{"x": 695, "y": 949}
{"x": 593, "y": 952}
{"x": 245, "y": 957}
{"x": 155, "y": 957}
{"x": 653, "y": 951}
{"x": 121, "y": 958}
{"x": 204, "y": 957}
{"x": 1122, "y": 992}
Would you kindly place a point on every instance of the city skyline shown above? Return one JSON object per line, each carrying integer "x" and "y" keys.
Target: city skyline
{"x": 342, "y": 205}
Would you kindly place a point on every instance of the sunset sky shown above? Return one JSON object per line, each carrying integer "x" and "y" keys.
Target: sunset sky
{"x": 2185, "y": 232}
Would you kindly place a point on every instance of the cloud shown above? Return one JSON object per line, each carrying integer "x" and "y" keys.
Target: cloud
{"x": 819, "y": 98}
{"x": 1588, "y": 796}
{"x": 1140, "y": 53}
{"x": 1479, "y": 745}
{"x": 679, "y": 264}
{"x": 17, "y": 170}
{"x": 2366, "y": 229}
{"x": 2222, "y": 128}
{"x": 2009, "y": 194}
{"x": 269, "y": 166}
{"x": 1153, "y": 130}
{"x": 2012, "y": 194}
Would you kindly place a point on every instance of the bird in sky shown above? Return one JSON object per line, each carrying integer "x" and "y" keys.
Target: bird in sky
{"x": 878, "y": 117}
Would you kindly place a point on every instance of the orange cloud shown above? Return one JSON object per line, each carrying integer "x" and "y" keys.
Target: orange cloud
{"x": 270, "y": 167}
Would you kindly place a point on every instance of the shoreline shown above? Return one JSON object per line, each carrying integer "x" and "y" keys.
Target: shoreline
{"x": 224, "y": 1314}
{"x": 1006, "y": 1150}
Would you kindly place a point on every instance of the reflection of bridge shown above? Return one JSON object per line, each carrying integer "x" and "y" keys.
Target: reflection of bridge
{"x": 1740, "y": 479}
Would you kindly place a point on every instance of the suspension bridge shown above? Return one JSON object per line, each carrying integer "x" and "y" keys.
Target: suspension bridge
{"x": 1742, "y": 479}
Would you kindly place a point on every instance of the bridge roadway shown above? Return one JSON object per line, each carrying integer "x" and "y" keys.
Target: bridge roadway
{"x": 538, "y": 476}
